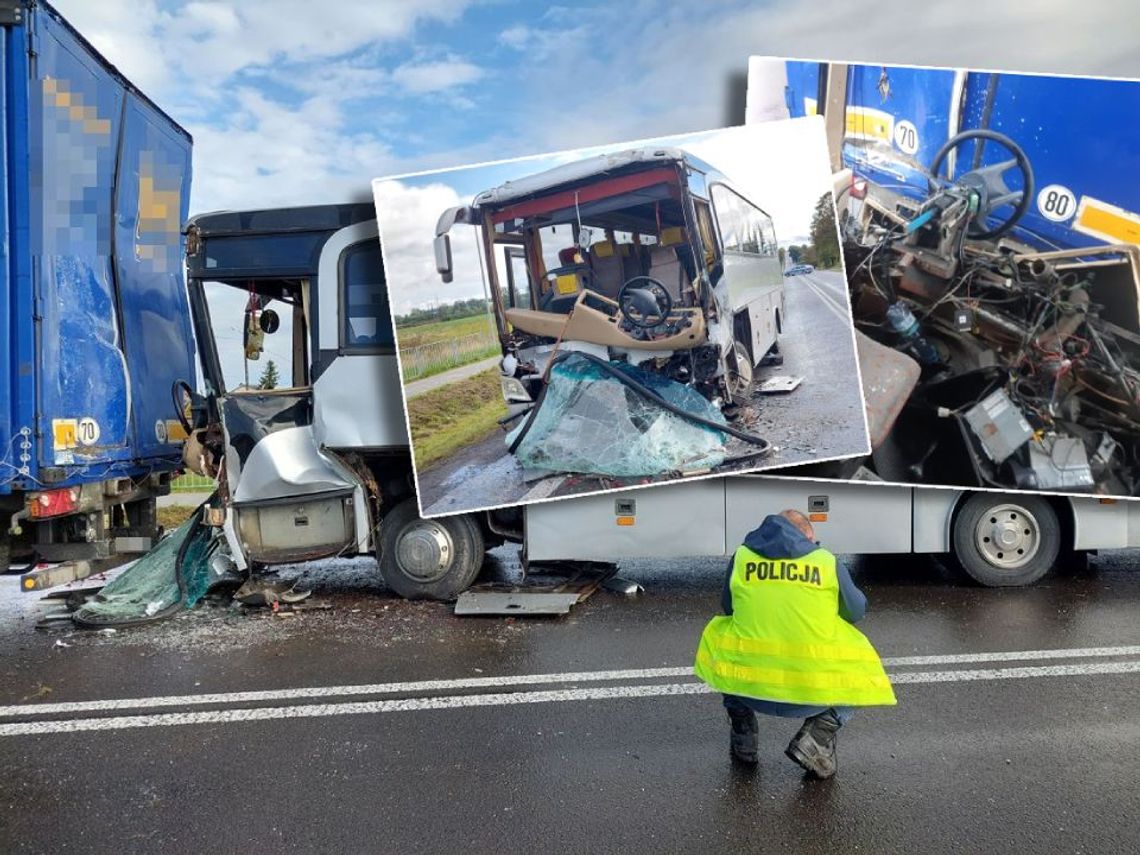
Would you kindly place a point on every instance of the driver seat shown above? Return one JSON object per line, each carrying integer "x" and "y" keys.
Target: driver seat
{"x": 665, "y": 265}
{"x": 608, "y": 269}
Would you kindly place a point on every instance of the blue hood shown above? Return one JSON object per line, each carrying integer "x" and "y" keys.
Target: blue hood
{"x": 778, "y": 538}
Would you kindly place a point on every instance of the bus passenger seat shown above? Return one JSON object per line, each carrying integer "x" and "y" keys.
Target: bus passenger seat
{"x": 606, "y": 264}
{"x": 665, "y": 265}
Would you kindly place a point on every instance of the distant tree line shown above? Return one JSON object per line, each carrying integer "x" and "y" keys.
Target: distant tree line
{"x": 823, "y": 251}
{"x": 474, "y": 307}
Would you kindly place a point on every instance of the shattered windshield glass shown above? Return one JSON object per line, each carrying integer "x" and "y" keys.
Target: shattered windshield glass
{"x": 590, "y": 421}
{"x": 173, "y": 575}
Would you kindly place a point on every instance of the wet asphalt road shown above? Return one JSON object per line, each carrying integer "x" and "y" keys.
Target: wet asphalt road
{"x": 822, "y": 419}
{"x": 1035, "y": 764}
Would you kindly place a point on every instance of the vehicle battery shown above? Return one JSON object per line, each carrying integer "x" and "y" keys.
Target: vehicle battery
{"x": 1000, "y": 426}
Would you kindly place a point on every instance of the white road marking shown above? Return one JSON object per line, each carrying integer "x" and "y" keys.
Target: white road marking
{"x": 220, "y": 698}
{"x": 1078, "y": 670}
{"x": 829, "y": 301}
{"x": 544, "y": 489}
{"x": 39, "y": 728}
{"x": 450, "y": 701}
{"x": 334, "y": 691}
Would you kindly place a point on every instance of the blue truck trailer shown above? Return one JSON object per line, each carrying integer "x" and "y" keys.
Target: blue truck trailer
{"x": 94, "y": 321}
{"x": 991, "y": 233}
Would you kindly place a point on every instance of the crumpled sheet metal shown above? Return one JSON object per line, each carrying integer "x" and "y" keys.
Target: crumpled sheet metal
{"x": 590, "y": 422}
{"x": 889, "y": 378}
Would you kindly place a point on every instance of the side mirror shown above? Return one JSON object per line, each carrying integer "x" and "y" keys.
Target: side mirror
{"x": 443, "y": 256}
{"x": 269, "y": 321}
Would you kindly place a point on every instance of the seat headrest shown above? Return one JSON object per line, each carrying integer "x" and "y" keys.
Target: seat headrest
{"x": 602, "y": 249}
{"x": 569, "y": 255}
{"x": 672, "y": 236}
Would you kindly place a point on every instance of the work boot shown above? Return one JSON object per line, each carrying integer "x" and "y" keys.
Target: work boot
{"x": 743, "y": 741}
{"x": 814, "y": 746}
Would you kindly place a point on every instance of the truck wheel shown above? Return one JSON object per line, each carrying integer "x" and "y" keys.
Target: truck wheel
{"x": 1006, "y": 541}
{"x": 435, "y": 559}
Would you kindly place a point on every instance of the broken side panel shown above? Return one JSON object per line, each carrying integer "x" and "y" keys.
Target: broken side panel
{"x": 290, "y": 500}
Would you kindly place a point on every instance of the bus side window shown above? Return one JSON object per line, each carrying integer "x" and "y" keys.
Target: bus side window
{"x": 366, "y": 321}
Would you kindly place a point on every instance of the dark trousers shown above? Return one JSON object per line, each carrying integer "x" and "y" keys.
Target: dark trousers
{"x": 738, "y": 706}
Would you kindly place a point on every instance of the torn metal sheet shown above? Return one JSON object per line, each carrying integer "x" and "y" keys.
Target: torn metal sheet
{"x": 263, "y": 592}
{"x": 889, "y": 378}
{"x": 779, "y": 384}
{"x": 623, "y": 586}
{"x": 514, "y": 603}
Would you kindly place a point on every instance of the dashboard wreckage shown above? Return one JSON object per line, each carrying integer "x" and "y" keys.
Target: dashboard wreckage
{"x": 1024, "y": 365}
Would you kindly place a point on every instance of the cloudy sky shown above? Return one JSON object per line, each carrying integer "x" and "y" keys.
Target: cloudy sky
{"x": 296, "y": 102}
{"x": 301, "y": 102}
{"x": 783, "y": 167}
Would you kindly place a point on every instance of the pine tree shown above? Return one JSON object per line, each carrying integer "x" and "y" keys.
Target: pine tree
{"x": 824, "y": 238}
{"x": 268, "y": 379}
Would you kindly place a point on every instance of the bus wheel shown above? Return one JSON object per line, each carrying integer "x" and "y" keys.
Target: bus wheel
{"x": 435, "y": 559}
{"x": 1006, "y": 541}
{"x": 740, "y": 374}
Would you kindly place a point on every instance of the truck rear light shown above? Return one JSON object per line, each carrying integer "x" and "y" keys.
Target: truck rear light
{"x": 858, "y": 188}
{"x": 53, "y": 503}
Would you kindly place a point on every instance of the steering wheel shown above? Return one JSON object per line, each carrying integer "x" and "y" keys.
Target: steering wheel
{"x": 197, "y": 405}
{"x": 644, "y": 305}
{"x": 989, "y": 182}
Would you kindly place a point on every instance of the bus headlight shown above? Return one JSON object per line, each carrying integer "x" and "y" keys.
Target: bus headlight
{"x": 513, "y": 390}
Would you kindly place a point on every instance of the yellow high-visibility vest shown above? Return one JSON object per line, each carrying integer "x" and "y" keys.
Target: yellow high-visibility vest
{"x": 785, "y": 640}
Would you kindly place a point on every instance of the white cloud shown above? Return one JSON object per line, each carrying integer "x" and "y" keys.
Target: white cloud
{"x": 268, "y": 155}
{"x": 782, "y": 166}
{"x": 407, "y": 220}
{"x": 586, "y": 75}
{"x": 424, "y": 77}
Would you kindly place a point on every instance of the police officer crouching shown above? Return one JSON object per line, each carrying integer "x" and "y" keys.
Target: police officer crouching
{"x": 786, "y": 644}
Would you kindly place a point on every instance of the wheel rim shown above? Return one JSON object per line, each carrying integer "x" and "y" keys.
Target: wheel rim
{"x": 741, "y": 375}
{"x": 424, "y": 551}
{"x": 1008, "y": 536}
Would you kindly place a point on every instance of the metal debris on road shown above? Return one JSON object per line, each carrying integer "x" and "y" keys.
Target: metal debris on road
{"x": 780, "y": 383}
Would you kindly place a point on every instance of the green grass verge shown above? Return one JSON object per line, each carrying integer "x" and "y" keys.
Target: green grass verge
{"x": 456, "y": 415}
{"x": 447, "y": 364}
{"x": 428, "y": 333}
{"x": 172, "y": 516}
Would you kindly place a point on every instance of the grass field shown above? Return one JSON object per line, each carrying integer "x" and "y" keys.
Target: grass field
{"x": 172, "y": 516}
{"x": 430, "y": 349}
{"x": 455, "y": 415}
{"x": 428, "y": 333}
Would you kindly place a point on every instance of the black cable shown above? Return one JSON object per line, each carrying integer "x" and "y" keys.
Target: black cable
{"x": 645, "y": 392}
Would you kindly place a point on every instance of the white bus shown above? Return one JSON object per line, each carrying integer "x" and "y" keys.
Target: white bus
{"x": 649, "y": 256}
{"x": 321, "y": 467}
